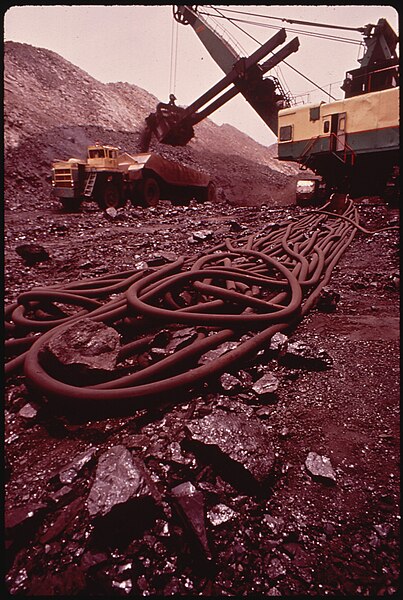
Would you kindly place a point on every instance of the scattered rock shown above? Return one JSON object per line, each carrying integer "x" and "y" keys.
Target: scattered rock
{"x": 32, "y": 253}
{"x": 266, "y": 387}
{"x": 275, "y": 569}
{"x": 120, "y": 477}
{"x": 275, "y": 524}
{"x": 180, "y": 339}
{"x": 328, "y": 299}
{"x": 63, "y": 520}
{"x": 66, "y": 582}
{"x": 201, "y": 235}
{"x": 69, "y": 473}
{"x": 123, "y": 501}
{"x": 22, "y": 517}
{"x": 230, "y": 383}
{"x": 300, "y": 355}
{"x": 84, "y": 349}
{"x": 212, "y": 355}
{"x": 235, "y": 226}
{"x": 176, "y": 454}
{"x": 237, "y": 445}
{"x": 190, "y": 505}
{"x": 28, "y": 412}
{"x": 220, "y": 514}
{"x": 320, "y": 467}
{"x": 111, "y": 212}
{"x": 62, "y": 495}
{"x": 278, "y": 343}
{"x": 264, "y": 412}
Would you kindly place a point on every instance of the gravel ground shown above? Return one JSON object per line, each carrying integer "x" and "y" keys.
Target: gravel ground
{"x": 305, "y": 535}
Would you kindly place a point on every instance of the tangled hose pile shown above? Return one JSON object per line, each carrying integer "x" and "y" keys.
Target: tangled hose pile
{"x": 245, "y": 289}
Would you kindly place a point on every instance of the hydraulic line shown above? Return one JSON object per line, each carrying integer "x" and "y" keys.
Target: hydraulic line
{"x": 242, "y": 291}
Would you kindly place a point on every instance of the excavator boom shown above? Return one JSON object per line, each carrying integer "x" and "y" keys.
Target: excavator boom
{"x": 173, "y": 125}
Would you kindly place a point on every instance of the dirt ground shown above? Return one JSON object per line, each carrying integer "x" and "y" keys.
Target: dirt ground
{"x": 303, "y": 538}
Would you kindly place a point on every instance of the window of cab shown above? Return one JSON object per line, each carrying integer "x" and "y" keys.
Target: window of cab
{"x": 285, "y": 134}
{"x": 314, "y": 113}
{"x": 326, "y": 126}
{"x": 96, "y": 153}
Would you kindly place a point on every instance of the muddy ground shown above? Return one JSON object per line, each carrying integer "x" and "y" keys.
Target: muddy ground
{"x": 303, "y": 536}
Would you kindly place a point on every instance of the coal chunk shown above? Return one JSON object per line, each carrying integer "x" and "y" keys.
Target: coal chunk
{"x": 219, "y": 514}
{"x": 319, "y": 467}
{"x": 32, "y": 253}
{"x": 300, "y": 355}
{"x": 22, "y": 517}
{"x": 63, "y": 520}
{"x": 119, "y": 477}
{"x": 266, "y": 387}
{"x": 67, "y": 582}
{"x": 70, "y": 472}
{"x": 328, "y": 300}
{"x": 181, "y": 339}
{"x": 278, "y": 343}
{"x": 230, "y": 383}
{"x": 123, "y": 500}
{"x": 85, "y": 349}
{"x": 212, "y": 355}
{"x": 201, "y": 235}
{"x": 189, "y": 503}
{"x": 237, "y": 444}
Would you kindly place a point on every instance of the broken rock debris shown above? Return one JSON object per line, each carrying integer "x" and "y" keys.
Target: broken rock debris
{"x": 266, "y": 387}
{"x": 301, "y": 355}
{"x": 69, "y": 473}
{"x": 86, "y": 346}
{"x": 190, "y": 505}
{"x": 32, "y": 253}
{"x": 320, "y": 467}
{"x": 220, "y": 514}
{"x": 238, "y": 445}
{"x": 120, "y": 477}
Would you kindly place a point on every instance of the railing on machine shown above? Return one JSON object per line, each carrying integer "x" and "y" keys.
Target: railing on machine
{"x": 345, "y": 154}
{"x": 347, "y": 151}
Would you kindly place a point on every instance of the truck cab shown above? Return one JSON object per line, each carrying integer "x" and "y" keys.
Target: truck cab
{"x": 103, "y": 157}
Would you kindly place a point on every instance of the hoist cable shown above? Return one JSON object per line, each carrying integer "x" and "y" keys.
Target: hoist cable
{"x": 289, "y": 29}
{"x": 173, "y": 56}
{"x": 309, "y": 23}
{"x": 284, "y": 61}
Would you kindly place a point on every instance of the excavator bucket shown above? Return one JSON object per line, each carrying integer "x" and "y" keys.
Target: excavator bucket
{"x": 174, "y": 125}
{"x": 169, "y": 126}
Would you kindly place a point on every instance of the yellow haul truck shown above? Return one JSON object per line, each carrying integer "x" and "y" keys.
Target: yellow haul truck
{"x": 111, "y": 178}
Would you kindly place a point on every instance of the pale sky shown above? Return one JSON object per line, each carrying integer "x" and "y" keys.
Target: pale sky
{"x": 133, "y": 43}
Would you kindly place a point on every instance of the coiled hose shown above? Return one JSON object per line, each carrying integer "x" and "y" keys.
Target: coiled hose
{"x": 256, "y": 285}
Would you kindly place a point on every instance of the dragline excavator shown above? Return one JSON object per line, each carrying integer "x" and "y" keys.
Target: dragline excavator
{"x": 172, "y": 124}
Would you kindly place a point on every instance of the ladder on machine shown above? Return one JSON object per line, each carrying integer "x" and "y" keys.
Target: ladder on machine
{"x": 90, "y": 184}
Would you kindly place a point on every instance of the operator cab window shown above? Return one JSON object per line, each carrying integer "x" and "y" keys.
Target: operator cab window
{"x": 285, "y": 133}
{"x": 326, "y": 126}
{"x": 96, "y": 154}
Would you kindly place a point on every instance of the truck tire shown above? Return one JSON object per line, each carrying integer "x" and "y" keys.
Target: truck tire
{"x": 111, "y": 197}
{"x": 211, "y": 192}
{"x": 149, "y": 192}
{"x": 207, "y": 194}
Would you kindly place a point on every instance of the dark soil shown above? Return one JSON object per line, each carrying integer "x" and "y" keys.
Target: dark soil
{"x": 302, "y": 537}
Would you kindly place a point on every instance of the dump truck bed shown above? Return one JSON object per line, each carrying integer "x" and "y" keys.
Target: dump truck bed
{"x": 170, "y": 171}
